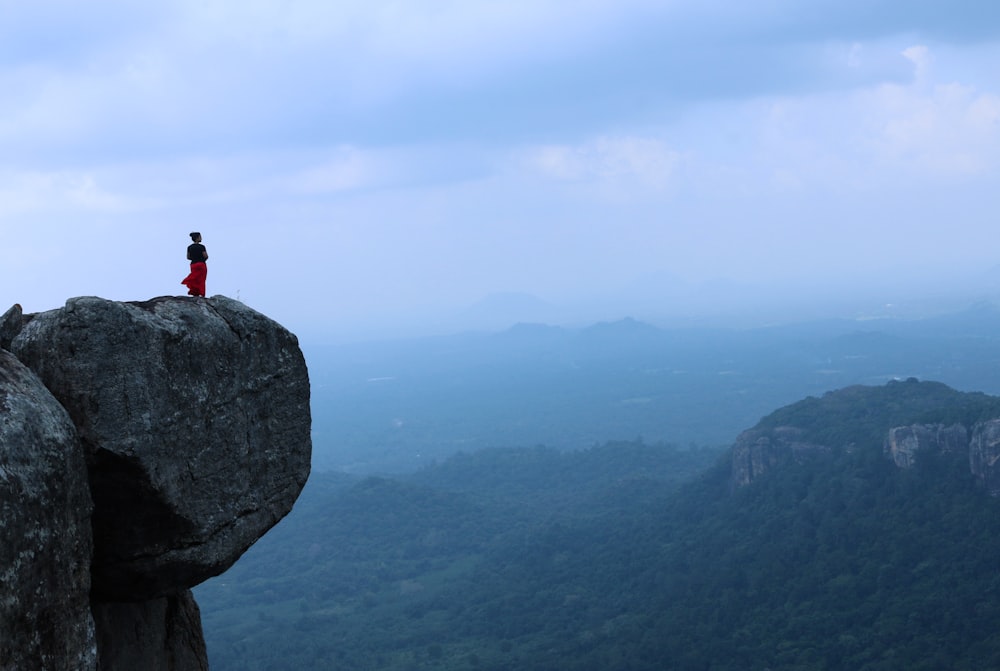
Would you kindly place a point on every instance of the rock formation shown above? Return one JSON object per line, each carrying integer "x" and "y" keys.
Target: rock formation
{"x": 905, "y": 442}
{"x": 756, "y": 451}
{"x": 841, "y": 413}
{"x": 980, "y": 444}
{"x": 45, "y": 540}
{"x": 193, "y": 421}
{"x": 158, "y": 635}
{"x": 984, "y": 455}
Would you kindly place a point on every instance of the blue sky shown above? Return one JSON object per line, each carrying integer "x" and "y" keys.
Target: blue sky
{"x": 365, "y": 169}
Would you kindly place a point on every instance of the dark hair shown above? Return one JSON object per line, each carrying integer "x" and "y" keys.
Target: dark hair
{"x": 195, "y": 235}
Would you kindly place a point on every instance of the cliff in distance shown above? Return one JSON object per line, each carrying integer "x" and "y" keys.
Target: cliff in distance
{"x": 906, "y": 419}
{"x": 144, "y": 446}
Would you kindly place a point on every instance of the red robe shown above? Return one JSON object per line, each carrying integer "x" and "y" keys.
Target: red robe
{"x": 195, "y": 281}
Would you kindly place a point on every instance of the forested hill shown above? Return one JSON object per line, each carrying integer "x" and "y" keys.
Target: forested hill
{"x": 532, "y": 559}
{"x": 862, "y": 415}
{"x": 906, "y": 419}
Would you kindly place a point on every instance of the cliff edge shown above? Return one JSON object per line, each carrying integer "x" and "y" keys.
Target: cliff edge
{"x": 187, "y": 437}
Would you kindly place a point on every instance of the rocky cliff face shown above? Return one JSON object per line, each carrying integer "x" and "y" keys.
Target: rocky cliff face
{"x": 904, "y": 442}
{"x": 984, "y": 455}
{"x": 189, "y": 419}
{"x": 757, "y": 451}
{"x": 45, "y": 539}
{"x": 980, "y": 444}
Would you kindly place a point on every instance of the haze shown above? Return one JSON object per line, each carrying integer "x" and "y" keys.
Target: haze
{"x": 371, "y": 169}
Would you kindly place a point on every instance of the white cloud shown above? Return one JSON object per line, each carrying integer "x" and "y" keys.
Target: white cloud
{"x": 348, "y": 169}
{"x": 884, "y": 136}
{"x": 447, "y": 145}
{"x": 920, "y": 56}
{"x": 936, "y": 128}
{"x": 645, "y": 162}
{"x": 32, "y": 193}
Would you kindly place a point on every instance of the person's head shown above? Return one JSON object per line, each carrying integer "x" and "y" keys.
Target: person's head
{"x": 196, "y": 237}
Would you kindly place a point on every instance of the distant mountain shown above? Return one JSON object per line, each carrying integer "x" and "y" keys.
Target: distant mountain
{"x": 642, "y": 557}
{"x": 623, "y": 328}
{"x": 393, "y": 407}
{"x": 500, "y": 310}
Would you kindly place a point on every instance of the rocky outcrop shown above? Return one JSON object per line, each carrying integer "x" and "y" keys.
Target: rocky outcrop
{"x": 980, "y": 445}
{"x": 194, "y": 415}
{"x": 11, "y": 323}
{"x": 757, "y": 451}
{"x": 45, "y": 539}
{"x": 905, "y": 442}
{"x": 158, "y": 635}
{"x": 984, "y": 455}
{"x": 193, "y": 423}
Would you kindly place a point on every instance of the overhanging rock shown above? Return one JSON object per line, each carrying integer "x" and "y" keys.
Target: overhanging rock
{"x": 194, "y": 418}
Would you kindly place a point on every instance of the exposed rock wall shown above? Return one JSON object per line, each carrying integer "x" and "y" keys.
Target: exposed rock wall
{"x": 192, "y": 428}
{"x": 158, "y": 635}
{"x": 904, "y": 442}
{"x": 984, "y": 455}
{"x": 45, "y": 539}
{"x": 981, "y": 446}
{"x": 757, "y": 451}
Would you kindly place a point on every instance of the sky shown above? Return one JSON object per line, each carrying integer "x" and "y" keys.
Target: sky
{"x": 373, "y": 168}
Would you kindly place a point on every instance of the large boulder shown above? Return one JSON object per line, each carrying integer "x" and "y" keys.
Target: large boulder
{"x": 158, "y": 635}
{"x": 11, "y": 323}
{"x": 45, "y": 537}
{"x": 194, "y": 418}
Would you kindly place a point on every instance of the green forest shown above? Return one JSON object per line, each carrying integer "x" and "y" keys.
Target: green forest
{"x": 635, "y": 556}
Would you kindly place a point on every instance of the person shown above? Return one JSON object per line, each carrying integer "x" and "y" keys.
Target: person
{"x": 197, "y": 255}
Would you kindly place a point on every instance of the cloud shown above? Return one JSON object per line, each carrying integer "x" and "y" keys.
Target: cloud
{"x": 813, "y": 145}
{"x": 411, "y": 151}
{"x": 888, "y": 135}
{"x": 937, "y": 128}
{"x": 920, "y": 56}
{"x": 69, "y": 35}
{"x": 33, "y": 193}
{"x": 215, "y": 76}
{"x": 348, "y": 170}
{"x": 620, "y": 161}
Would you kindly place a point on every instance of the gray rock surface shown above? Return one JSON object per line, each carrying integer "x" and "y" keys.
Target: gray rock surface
{"x": 984, "y": 455}
{"x": 756, "y": 451}
{"x": 11, "y": 323}
{"x": 194, "y": 417}
{"x": 45, "y": 536}
{"x": 159, "y": 635}
{"x": 904, "y": 442}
